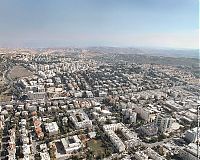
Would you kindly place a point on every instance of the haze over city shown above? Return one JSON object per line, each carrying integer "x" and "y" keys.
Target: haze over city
{"x": 99, "y": 80}
{"x": 127, "y": 23}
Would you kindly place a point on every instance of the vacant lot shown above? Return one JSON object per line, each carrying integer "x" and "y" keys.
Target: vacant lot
{"x": 19, "y": 71}
{"x": 96, "y": 146}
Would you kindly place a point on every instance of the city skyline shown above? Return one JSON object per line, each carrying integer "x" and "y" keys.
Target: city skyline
{"x": 168, "y": 24}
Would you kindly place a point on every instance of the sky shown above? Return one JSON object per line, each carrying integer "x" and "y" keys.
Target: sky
{"x": 85, "y": 23}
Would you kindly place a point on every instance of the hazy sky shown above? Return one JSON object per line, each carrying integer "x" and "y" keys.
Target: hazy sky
{"x": 60, "y": 23}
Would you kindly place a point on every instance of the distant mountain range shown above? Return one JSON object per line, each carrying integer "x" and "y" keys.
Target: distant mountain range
{"x": 187, "y": 53}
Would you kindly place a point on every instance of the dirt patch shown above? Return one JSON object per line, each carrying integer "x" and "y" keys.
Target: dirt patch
{"x": 19, "y": 71}
{"x": 96, "y": 146}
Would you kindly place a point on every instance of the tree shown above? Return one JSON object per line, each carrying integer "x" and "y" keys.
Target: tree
{"x": 161, "y": 151}
{"x": 168, "y": 156}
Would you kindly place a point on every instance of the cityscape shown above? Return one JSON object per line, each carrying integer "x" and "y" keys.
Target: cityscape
{"x": 99, "y": 80}
{"x": 78, "y": 103}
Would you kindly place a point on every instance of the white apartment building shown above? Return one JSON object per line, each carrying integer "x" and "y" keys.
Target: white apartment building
{"x": 191, "y": 135}
{"x": 44, "y": 156}
{"x": 52, "y": 128}
{"x": 80, "y": 119}
{"x": 131, "y": 138}
{"x": 189, "y": 152}
{"x": 69, "y": 144}
{"x": 146, "y": 113}
{"x": 148, "y": 154}
{"x": 164, "y": 122}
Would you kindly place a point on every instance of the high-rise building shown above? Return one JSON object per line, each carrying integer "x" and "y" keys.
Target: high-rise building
{"x": 164, "y": 122}
{"x": 191, "y": 135}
